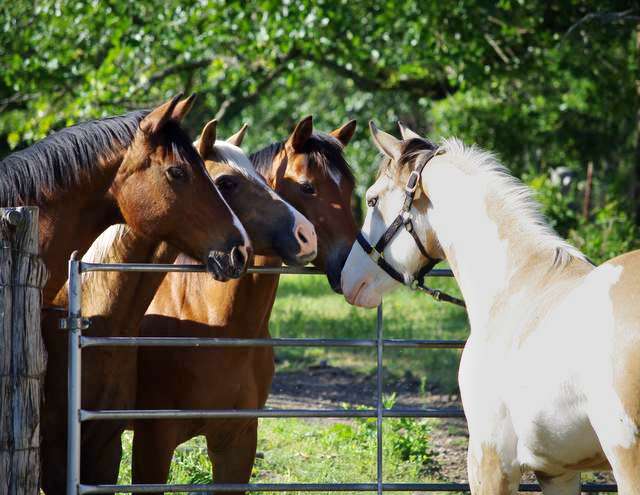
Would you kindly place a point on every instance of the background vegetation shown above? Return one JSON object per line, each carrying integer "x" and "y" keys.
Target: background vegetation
{"x": 544, "y": 84}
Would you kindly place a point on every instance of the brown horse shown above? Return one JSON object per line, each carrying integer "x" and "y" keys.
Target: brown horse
{"x": 139, "y": 168}
{"x": 116, "y": 302}
{"x": 309, "y": 171}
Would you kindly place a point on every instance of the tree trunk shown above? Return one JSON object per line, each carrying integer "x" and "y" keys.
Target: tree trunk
{"x": 22, "y": 354}
{"x": 586, "y": 202}
{"x": 636, "y": 165}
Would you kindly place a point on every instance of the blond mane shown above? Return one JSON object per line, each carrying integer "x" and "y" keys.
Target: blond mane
{"x": 517, "y": 199}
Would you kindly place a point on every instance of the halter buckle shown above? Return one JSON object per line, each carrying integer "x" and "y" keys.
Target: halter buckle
{"x": 412, "y": 182}
{"x": 375, "y": 256}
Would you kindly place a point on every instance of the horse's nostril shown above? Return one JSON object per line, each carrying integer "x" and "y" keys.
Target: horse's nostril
{"x": 305, "y": 234}
{"x": 238, "y": 256}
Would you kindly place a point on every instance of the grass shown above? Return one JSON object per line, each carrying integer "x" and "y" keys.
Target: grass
{"x": 295, "y": 450}
{"x": 305, "y": 451}
{"x": 306, "y": 307}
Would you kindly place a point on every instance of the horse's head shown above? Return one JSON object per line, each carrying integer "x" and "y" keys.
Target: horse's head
{"x": 364, "y": 282}
{"x": 273, "y": 225}
{"x": 164, "y": 192}
{"x": 311, "y": 173}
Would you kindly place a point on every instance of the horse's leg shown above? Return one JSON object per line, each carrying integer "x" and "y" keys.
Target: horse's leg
{"x": 625, "y": 462}
{"x": 108, "y": 382}
{"x": 233, "y": 462}
{"x": 54, "y": 408}
{"x": 616, "y": 420}
{"x": 54, "y": 461}
{"x": 153, "y": 445}
{"x": 492, "y": 467}
{"x": 566, "y": 484}
{"x": 101, "y": 452}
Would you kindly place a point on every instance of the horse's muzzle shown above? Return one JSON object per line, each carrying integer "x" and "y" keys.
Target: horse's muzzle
{"x": 223, "y": 266}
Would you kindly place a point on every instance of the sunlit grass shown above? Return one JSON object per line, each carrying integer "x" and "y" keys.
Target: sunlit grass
{"x": 306, "y": 307}
{"x": 317, "y": 451}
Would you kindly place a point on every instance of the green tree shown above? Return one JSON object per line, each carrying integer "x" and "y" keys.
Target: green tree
{"x": 541, "y": 83}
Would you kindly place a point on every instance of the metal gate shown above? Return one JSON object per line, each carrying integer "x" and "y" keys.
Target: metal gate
{"x": 77, "y": 415}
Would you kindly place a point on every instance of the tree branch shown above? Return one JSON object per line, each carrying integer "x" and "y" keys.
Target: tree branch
{"x": 604, "y": 17}
{"x": 187, "y": 67}
{"x": 235, "y": 104}
{"x": 437, "y": 90}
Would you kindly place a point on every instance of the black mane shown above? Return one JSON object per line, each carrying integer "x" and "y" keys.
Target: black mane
{"x": 324, "y": 151}
{"x": 61, "y": 160}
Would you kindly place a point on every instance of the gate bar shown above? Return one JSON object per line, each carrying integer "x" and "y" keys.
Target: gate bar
{"x": 118, "y": 414}
{"x": 279, "y": 342}
{"x": 317, "y": 487}
{"x": 86, "y": 266}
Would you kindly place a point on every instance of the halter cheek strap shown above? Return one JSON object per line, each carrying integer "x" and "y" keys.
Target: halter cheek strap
{"x": 405, "y": 219}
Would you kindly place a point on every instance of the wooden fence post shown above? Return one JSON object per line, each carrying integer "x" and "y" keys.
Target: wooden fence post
{"x": 22, "y": 354}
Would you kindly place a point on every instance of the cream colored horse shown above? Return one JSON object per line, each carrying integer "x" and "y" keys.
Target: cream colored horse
{"x": 550, "y": 375}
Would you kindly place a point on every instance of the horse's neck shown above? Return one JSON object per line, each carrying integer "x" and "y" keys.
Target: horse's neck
{"x": 494, "y": 256}
{"x": 74, "y": 219}
{"x": 117, "y": 301}
{"x": 238, "y": 308}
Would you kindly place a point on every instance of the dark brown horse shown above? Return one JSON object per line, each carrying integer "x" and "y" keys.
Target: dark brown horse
{"x": 139, "y": 168}
{"x": 309, "y": 171}
{"x": 116, "y": 303}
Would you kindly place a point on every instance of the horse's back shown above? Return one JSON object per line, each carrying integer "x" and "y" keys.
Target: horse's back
{"x": 625, "y": 304}
{"x": 624, "y": 297}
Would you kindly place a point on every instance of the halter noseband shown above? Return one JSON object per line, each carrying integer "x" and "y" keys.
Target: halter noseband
{"x": 405, "y": 219}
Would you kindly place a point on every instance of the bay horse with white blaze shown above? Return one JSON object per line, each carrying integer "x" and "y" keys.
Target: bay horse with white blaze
{"x": 550, "y": 374}
{"x": 116, "y": 302}
{"x": 309, "y": 171}
{"x": 139, "y": 168}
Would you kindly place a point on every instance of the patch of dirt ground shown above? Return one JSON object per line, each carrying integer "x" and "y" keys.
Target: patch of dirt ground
{"x": 324, "y": 386}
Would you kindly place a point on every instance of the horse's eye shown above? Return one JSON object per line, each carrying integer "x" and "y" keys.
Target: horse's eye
{"x": 308, "y": 188}
{"x": 226, "y": 184}
{"x": 176, "y": 173}
{"x": 372, "y": 202}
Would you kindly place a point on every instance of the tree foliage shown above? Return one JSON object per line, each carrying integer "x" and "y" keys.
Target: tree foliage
{"x": 544, "y": 84}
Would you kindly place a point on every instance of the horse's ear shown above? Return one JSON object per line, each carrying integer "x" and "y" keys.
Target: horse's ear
{"x": 407, "y": 133}
{"x": 237, "y": 138}
{"x": 345, "y": 133}
{"x": 183, "y": 107}
{"x": 207, "y": 139}
{"x": 159, "y": 116}
{"x": 301, "y": 134}
{"x": 386, "y": 143}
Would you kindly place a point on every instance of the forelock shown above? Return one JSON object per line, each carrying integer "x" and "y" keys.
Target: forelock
{"x": 233, "y": 156}
{"x": 411, "y": 150}
{"x": 326, "y": 153}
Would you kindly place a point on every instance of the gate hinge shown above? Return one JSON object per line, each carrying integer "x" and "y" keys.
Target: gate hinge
{"x": 74, "y": 324}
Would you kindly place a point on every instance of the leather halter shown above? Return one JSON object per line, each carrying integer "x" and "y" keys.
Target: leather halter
{"x": 405, "y": 219}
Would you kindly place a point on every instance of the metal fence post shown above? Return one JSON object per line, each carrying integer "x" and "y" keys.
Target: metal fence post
{"x": 74, "y": 327}
{"x": 379, "y": 404}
